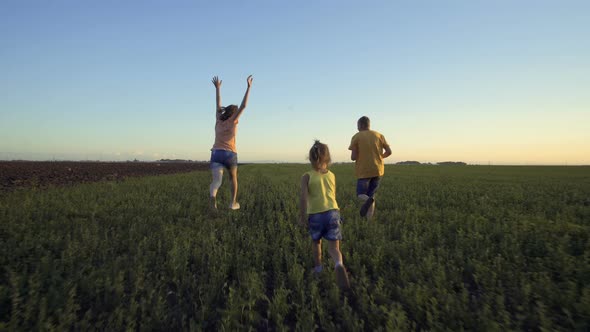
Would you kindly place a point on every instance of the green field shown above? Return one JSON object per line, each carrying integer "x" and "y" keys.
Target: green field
{"x": 451, "y": 248}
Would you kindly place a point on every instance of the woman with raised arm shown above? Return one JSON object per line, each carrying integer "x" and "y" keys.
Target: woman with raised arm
{"x": 224, "y": 154}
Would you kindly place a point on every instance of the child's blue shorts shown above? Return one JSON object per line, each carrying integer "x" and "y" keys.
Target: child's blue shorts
{"x": 227, "y": 159}
{"x": 325, "y": 225}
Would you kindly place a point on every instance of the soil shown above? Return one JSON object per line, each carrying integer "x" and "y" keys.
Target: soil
{"x": 15, "y": 174}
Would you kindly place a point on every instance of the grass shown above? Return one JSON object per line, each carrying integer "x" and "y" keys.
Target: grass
{"x": 450, "y": 248}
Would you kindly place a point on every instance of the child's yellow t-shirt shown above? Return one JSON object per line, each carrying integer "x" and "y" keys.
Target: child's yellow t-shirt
{"x": 369, "y": 146}
{"x": 321, "y": 192}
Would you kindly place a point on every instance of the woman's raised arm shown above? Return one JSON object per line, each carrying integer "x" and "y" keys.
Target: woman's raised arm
{"x": 245, "y": 100}
{"x": 217, "y": 82}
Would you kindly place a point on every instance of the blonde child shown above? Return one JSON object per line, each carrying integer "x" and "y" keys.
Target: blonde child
{"x": 319, "y": 211}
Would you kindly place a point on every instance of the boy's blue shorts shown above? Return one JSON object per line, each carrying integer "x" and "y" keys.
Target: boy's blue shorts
{"x": 325, "y": 225}
{"x": 368, "y": 186}
{"x": 223, "y": 158}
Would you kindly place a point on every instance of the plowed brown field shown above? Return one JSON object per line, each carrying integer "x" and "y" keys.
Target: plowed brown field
{"x": 14, "y": 174}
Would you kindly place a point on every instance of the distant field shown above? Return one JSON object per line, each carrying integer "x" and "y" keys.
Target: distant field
{"x": 451, "y": 248}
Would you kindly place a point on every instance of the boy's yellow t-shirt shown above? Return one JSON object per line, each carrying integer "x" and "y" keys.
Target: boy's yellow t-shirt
{"x": 321, "y": 192}
{"x": 369, "y": 146}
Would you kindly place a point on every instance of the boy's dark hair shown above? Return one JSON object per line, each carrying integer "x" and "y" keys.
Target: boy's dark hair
{"x": 364, "y": 122}
{"x": 319, "y": 154}
{"x": 226, "y": 112}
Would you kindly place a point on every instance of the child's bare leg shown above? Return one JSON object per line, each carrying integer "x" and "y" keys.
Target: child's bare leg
{"x": 316, "y": 249}
{"x": 341, "y": 274}
{"x": 334, "y": 250}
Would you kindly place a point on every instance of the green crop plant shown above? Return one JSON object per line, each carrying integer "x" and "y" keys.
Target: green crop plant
{"x": 450, "y": 248}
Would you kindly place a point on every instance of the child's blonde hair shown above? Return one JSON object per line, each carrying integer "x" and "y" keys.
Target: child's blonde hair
{"x": 319, "y": 155}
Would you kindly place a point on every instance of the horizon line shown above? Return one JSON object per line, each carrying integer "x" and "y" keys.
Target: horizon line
{"x": 399, "y": 163}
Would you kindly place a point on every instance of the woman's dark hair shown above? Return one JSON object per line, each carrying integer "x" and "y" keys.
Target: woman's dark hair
{"x": 226, "y": 112}
{"x": 319, "y": 154}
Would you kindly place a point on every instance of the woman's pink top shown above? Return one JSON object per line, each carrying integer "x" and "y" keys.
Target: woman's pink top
{"x": 225, "y": 134}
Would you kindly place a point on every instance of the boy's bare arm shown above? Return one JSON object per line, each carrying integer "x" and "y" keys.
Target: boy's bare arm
{"x": 353, "y": 152}
{"x": 387, "y": 152}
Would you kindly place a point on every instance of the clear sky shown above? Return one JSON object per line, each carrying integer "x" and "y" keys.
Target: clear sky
{"x": 499, "y": 81}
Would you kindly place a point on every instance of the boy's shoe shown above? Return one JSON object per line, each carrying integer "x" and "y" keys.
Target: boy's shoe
{"x": 366, "y": 205}
{"x": 342, "y": 277}
{"x": 234, "y": 206}
{"x": 363, "y": 197}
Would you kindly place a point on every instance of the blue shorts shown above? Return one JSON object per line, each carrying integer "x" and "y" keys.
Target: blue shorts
{"x": 223, "y": 158}
{"x": 325, "y": 225}
{"x": 368, "y": 186}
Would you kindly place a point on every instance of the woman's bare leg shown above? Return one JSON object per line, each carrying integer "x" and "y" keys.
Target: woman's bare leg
{"x": 233, "y": 175}
{"x": 217, "y": 178}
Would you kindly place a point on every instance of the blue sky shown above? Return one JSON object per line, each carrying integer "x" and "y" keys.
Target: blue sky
{"x": 501, "y": 82}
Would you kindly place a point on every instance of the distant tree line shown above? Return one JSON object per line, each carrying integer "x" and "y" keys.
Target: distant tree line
{"x": 444, "y": 163}
{"x": 176, "y": 161}
{"x": 408, "y": 162}
{"x": 454, "y": 163}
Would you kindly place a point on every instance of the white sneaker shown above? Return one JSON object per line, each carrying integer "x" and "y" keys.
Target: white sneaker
{"x": 363, "y": 197}
{"x": 367, "y": 205}
{"x": 235, "y": 206}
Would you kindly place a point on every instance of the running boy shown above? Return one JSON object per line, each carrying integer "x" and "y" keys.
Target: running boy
{"x": 319, "y": 211}
{"x": 369, "y": 148}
